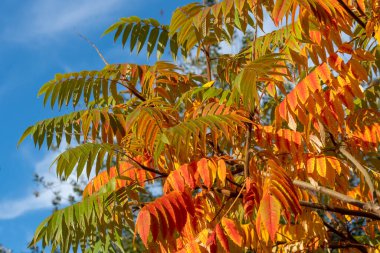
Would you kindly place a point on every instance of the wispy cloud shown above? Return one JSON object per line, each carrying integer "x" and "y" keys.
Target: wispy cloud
{"x": 48, "y": 18}
{"x": 12, "y": 208}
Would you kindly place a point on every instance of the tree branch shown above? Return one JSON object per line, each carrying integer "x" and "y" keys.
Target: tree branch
{"x": 340, "y": 210}
{"x": 348, "y": 237}
{"x": 331, "y": 193}
{"x": 352, "y": 14}
{"x": 329, "y": 208}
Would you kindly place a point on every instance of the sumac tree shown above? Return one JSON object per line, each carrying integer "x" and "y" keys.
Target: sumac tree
{"x": 272, "y": 149}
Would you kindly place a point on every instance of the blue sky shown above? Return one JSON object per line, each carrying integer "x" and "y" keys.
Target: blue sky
{"x": 38, "y": 38}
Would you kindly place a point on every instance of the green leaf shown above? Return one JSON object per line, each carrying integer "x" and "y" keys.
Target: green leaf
{"x": 126, "y": 33}
{"x": 152, "y": 40}
{"x": 27, "y": 132}
{"x": 134, "y": 36}
{"x": 142, "y": 37}
{"x": 162, "y": 41}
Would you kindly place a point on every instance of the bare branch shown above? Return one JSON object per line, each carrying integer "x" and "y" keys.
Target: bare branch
{"x": 331, "y": 193}
{"x": 95, "y": 47}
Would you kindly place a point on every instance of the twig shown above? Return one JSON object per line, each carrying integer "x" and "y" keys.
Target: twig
{"x": 142, "y": 166}
{"x": 94, "y": 46}
{"x": 352, "y": 14}
{"x": 237, "y": 197}
{"x": 247, "y": 148}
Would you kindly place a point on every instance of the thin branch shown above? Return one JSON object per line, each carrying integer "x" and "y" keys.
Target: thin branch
{"x": 219, "y": 211}
{"x": 247, "y": 151}
{"x": 94, "y": 46}
{"x": 237, "y": 197}
{"x": 352, "y": 14}
{"x": 132, "y": 90}
{"x": 368, "y": 207}
{"x": 348, "y": 245}
{"x": 340, "y": 210}
{"x": 331, "y": 193}
{"x": 142, "y": 166}
{"x": 347, "y": 237}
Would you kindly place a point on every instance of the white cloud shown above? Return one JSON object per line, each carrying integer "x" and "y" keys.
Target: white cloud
{"x": 41, "y": 19}
{"x": 13, "y": 208}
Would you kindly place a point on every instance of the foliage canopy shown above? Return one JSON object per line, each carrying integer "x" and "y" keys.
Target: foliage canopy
{"x": 274, "y": 148}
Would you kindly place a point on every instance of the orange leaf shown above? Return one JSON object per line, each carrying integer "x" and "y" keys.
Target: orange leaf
{"x": 232, "y": 231}
{"x": 310, "y": 165}
{"x": 204, "y": 172}
{"x": 321, "y": 166}
{"x": 143, "y": 226}
{"x": 269, "y": 211}
{"x": 222, "y": 170}
{"x": 280, "y": 10}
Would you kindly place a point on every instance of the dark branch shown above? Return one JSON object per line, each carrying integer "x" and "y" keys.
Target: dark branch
{"x": 352, "y": 14}
{"x": 340, "y": 210}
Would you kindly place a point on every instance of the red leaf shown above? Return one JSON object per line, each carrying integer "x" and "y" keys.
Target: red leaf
{"x": 179, "y": 211}
{"x": 222, "y": 238}
{"x": 188, "y": 203}
{"x": 155, "y": 221}
{"x": 162, "y": 217}
{"x": 211, "y": 242}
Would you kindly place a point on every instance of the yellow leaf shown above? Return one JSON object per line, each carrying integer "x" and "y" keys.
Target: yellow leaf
{"x": 208, "y": 84}
{"x": 321, "y": 166}
{"x": 222, "y": 171}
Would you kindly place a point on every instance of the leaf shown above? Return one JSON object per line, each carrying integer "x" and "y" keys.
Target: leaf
{"x": 232, "y": 231}
{"x": 143, "y": 227}
{"x": 27, "y": 132}
{"x": 162, "y": 41}
{"x": 152, "y": 40}
{"x": 280, "y": 9}
{"x": 269, "y": 211}
{"x": 175, "y": 207}
{"x": 222, "y": 238}
{"x": 222, "y": 171}
{"x": 208, "y": 84}
{"x": 204, "y": 172}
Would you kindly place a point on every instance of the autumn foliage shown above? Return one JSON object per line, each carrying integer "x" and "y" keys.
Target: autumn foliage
{"x": 272, "y": 149}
